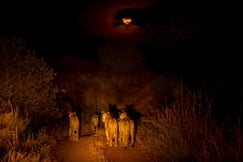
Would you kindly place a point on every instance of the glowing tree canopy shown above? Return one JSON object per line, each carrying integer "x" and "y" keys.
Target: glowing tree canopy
{"x": 126, "y": 20}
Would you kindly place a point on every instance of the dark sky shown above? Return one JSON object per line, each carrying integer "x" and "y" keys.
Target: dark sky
{"x": 73, "y": 28}
{"x": 49, "y": 26}
{"x": 63, "y": 27}
{"x": 66, "y": 28}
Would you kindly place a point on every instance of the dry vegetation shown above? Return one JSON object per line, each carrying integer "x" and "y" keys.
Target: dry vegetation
{"x": 27, "y": 104}
{"x": 187, "y": 132}
{"x": 30, "y": 147}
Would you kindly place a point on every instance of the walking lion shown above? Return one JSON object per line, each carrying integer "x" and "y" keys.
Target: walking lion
{"x": 126, "y": 130}
{"x": 111, "y": 128}
{"x": 73, "y": 126}
{"x": 94, "y": 123}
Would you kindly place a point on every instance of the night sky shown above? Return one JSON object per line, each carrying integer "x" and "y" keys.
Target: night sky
{"x": 78, "y": 28}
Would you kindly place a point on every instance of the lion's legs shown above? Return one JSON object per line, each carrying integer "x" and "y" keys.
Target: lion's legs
{"x": 126, "y": 141}
{"x": 132, "y": 138}
{"x": 132, "y": 133}
{"x": 107, "y": 135}
{"x": 96, "y": 129}
{"x": 110, "y": 142}
{"x": 119, "y": 134}
{"x": 110, "y": 138}
{"x": 70, "y": 133}
{"x": 116, "y": 136}
{"x": 93, "y": 128}
{"x": 76, "y": 134}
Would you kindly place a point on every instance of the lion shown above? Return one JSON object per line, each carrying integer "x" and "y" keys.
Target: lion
{"x": 73, "y": 126}
{"x": 111, "y": 128}
{"x": 94, "y": 123}
{"x": 126, "y": 130}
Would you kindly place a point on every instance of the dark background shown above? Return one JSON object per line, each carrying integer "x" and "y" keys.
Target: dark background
{"x": 55, "y": 30}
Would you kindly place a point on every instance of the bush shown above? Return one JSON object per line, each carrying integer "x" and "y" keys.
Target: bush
{"x": 27, "y": 103}
{"x": 26, "y": 83}
{"x": 188, "y": 133}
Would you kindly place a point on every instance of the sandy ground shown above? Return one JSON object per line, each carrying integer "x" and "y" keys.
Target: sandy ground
{"x": 83, "y": 151}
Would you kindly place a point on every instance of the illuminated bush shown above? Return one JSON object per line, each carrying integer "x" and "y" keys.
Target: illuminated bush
{"x": 26, "y": 82}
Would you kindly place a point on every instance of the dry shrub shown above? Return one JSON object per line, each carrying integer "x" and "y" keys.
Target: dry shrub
{"x": 6, "y": 122}
{"x": 185, "y": 131}
{"x": 37, "y": 148}
{"x": 33, "y": 148}
{"x": 164, "y": 140}
{"x": 43, "y": 155}
{"x": 11, "y": 127}
{"x": 4, "y": 119}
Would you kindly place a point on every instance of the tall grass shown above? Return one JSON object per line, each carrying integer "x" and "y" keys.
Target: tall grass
{"x": 186, "y": 131}
{"x": 30, "y": 147}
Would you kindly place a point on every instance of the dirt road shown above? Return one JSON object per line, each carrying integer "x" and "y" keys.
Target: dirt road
{"x": 93, "y": 148}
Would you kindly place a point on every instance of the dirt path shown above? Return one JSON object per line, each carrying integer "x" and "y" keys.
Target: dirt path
{"x": 70, "y": 151}
{"x": 130, "y": 155}
{"x": 93, "y": 149}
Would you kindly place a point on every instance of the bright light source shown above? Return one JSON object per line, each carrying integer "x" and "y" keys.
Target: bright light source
{"x": 126, "y": 20}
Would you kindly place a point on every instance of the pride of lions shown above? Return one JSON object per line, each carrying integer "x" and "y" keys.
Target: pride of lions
{"x": 117, "y": 131}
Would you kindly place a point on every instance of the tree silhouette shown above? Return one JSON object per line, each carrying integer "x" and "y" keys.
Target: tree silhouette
{"x": 163, "y": 30}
